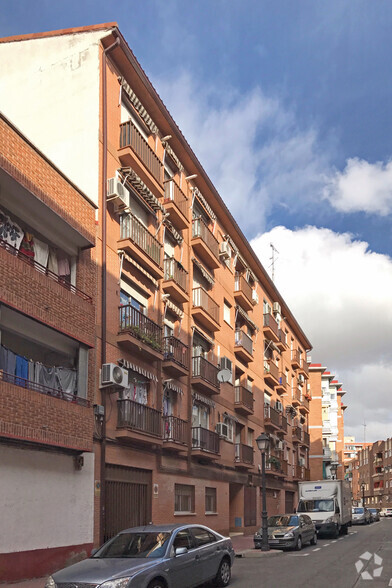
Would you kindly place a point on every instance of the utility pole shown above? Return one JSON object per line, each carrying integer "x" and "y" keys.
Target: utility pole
{"x": 273, "y": 251}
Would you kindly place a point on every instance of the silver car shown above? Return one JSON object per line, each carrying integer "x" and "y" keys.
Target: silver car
{"x": 288, "y": 531}
{"x": 164, "y": 556}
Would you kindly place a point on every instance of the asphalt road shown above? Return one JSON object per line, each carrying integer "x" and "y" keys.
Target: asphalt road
{"x": 329, "y": 564}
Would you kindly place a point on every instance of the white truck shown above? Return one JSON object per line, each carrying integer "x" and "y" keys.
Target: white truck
{"x": 328, "y": 504}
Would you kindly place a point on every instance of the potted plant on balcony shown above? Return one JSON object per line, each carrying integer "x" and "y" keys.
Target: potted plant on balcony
{"x": 274, "y": 461}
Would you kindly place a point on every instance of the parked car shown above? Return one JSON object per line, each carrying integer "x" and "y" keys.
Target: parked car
{"x": 386, "y": 512}
{"x": 375, "y": 514}
{"x": 172, "y": 556}
{"x": 361, "y": 516}
{"x": 288, "y": 531}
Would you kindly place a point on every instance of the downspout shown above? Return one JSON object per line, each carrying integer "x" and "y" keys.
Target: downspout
{"x": 104, "y": 280}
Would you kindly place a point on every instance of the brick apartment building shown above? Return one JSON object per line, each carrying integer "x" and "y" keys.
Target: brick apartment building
{"x": 326, "y": 425}
{"x": 183, "y": 301}
{"x": 351, "y": 450}
{"x": 47, "y": 363}
{"x": 371, "y": 475}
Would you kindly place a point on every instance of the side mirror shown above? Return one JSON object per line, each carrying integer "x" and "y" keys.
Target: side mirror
{"x": 93, "y": 551}
{"x": 180, "y": 551}
{"x": 337, "y": 510}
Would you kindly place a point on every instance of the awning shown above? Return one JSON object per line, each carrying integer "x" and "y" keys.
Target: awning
{"x": 128, "y": 365}
{"x": 231, "y": 417}
{"x": 142, "y": 189}
{"x": 203, "y": 399}
{"x": 139, "y": 106}
{"x": 246, "y": 317}
{"x": 206, "y": 275}
{"x": 175, "y": 234}
{"x": 169, "y": 385}
{"x": 239, "y": 256}
{"x": 139, "y": 267}
{"x": 174, "y": 308}
{"x": 203, "y": 335}
{"x": 204, "y": 203}
{"x": 174, "y": 157}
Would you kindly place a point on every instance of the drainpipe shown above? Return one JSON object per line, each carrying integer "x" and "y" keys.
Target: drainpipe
{"x": 103, "y": 279}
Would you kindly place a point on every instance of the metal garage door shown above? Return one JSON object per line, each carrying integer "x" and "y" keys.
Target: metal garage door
{"x": 250, "y": 506}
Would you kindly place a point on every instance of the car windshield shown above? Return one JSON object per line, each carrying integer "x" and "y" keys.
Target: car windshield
{"x": 358, "y": 510}
{"x": 141, "y": 545}
{"x": 325, "y": 505}
{"x": 373, "y": 510}
{"x": 283, "y": 521}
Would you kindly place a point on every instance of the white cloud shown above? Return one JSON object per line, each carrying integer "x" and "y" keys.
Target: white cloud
{"x": 362, "y": 186}
{"x": 339, "y": 292}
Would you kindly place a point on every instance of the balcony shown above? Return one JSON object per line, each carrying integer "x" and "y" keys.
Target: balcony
{"x": 205, "y": 375}
{"x": 138, "y": 424}
{"x": 282, "y": 342}
{"x": 326, "y": 400}
{"x": 297, "y": 435}
{"x": 301, "y": 473}
{"x": 138, "y": 333}
{"x": 283, "y": 424}
{"x": 281, "y": 387}
{"x": 305, "y": 439}
{"x": 137, "y": 240}
{"x": 304, "y": 368}
{"x": 205, "y": 309}
{"x": 243, "y": 456}
{"x": 176, "y": 204}
{"x": 133, "y": 143}
{"x": 175, "y": 280}
{"x": 175, "y": 434}
{"x": 295, "y": 359}
{"x": 271, "y": 373}
{"x": 205, "y": 444}
{"x": 204, "y": 243}
{"x": 243, "y": 292}
{"x": 327, "y": 454}
{"x": 378, "y": 491}
{"x": 243, "y": 400}
{"x": 175, "y": 357}
{"x": 243, "y": 346}
{"x": 271, "y": 418}
{"x": 275, "y": 464}
{"x": 296, "y": 396}
{"x": 304, "y": 406}
{"x": 270, "y": 328}
{"x": 327, "y": 426}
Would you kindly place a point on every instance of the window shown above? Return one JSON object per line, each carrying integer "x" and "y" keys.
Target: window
{"x": 200, "y": 415}
{"x": 249, "y": 437}
{"x": 184, "y": 498}
{"x": 183, "y": 539}
{"x": 229, "y": 422}
{"x": 202, "y": 536}
{"x": 226, "y": 312}
{"x": 211, "y": 500}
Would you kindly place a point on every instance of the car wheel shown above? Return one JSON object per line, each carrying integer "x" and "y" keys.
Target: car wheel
{"x": 224, "y": 573}
{"x": 298, "y": 545}
{"x": 156, "y": 584}
{"x": 313, "y": 541}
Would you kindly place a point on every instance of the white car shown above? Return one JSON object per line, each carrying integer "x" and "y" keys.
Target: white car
{"x": 386, "y": 512}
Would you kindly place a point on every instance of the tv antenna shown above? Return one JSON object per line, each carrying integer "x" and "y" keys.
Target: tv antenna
{"x": 272, "y": 258}
{"x": 364, "y": 430}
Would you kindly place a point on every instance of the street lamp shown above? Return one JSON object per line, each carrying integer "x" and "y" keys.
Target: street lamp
{"x": 263, "y": 442}
{"x": 363, "y": 486}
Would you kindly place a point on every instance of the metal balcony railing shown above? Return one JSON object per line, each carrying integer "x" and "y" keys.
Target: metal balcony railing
{"x": 174, "y": 429}
{"x": 243, "y": 396}
{"x": 243, "y": 340}
{"x": 131, "y": 137}
{"x": 283, "y": 422}
{"x": 173, "y": 193}
{"x": 201, "y": 299}
{"x": 271, "y": 368}
{"x": 135, "y": 322}
{"x": 304, "y": 366}
{"x": 270, "y": 322}
{"x": 176, "y": 350}
{"x": 297, "y": 433}
{"x": 205, "y": 439}
{"x": 282, "y": 337}
{"x": 131, "y": 228}
{"x": 306, "y": 438}
{"x": 201, "y": 368}
{"x": 282, "y": 379}
{"x": 272, "y": 415}
{"x": 173, "y": 270}
{"x": 241, "y": 285}
{"x": 200, "y": 229}
{"x": 295, "y": 356}
{"x": 133, "y": 415}
{"x": 243, "y": 453}
{"x": 296, "y": 394}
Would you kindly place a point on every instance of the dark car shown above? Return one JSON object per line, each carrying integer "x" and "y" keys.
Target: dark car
{"x": 165, "y": 556}
{"x": 288, "y": 531}
{"x": 374, "y": 513}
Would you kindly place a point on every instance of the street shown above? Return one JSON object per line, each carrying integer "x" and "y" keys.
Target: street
{"x": 329, "y": 564}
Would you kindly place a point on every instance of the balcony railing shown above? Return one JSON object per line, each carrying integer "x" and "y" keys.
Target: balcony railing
{"x": 201, "y": 368}
{"x": 201, "y": 299}
{"x": 173, "y": 270}
{"x": 174, "y": 429}
{"x": 44, "y": 270}
{"x": 282, "y": 337}
{"x": 176, "y": 350}
{"x": 296, "y": 394}
{"x": 306, "y": 438}
{"x": 243, "y": 396}
{"x": 243, "y": 453}
{"x": 131, "y": 228}
{"x": 283, "y": 422}
{"x": 135, "y": 322}
{"x": 295, "y": 357}
{"x": 282, "y": 379}
{"x": 130, "y": 137}
{"x": 205, "y": 439}
{"x": 271, "y": 368}
{"x": 297, "y": 433}
{"x": 200, "y": 229}
{"x": 242, "y": 339}
{"x": 241, "y": 285}
{"x": 270, "y": 322}
{"x": 173, "y": 193}
{"x": 276, "y": 464}
{"x": 133, "y": 415}
{"x": 272, "y": 415}
{"x": 305, "y": 366}
{"x": 305, "y": 402}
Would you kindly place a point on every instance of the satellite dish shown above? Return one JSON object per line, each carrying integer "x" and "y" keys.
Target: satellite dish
{"x": 224, "y": 376}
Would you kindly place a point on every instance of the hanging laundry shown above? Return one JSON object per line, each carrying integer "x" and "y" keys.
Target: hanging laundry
{"x": 31, "y": 371}
{"x": 47, "y": 377}
{"x": 41, "y": 252}
{"x": 10, "y": 232}
{"x": 52, "y": 261}
{"x": 3, "y": 357}
{"x": 21, "y": 370}
{"x": 64, "y": 269}
{"x": 67, "y": 379}
{"x": 27, "y": 245}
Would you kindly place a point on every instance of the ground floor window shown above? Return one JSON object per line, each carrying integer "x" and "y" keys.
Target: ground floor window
{"x": 184, "y": 498}
{"x": 211, "y": 500}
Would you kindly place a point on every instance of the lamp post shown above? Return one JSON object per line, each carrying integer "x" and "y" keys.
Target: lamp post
{"x": 363, "y": 486}
{"x": 263, "y": 442}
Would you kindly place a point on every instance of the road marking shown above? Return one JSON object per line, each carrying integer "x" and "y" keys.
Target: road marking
{"x": 390, "y": 582}
{"x": 326, "y": 544}
{"x": 317, "y": 549}
{"x": 298, "y": 554}
{"x": 334, "y": 541}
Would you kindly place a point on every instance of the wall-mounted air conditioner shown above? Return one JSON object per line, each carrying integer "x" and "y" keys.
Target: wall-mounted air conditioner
{"x": 113, "y": 375}
{"x": 224, "y": 250}
{"x": 255, "y": 297}
{"x": 222, "y": 429}
{"x": 279, "y": 406}
{"x": 118, "y": 194}
{"x": 276, "y": 308}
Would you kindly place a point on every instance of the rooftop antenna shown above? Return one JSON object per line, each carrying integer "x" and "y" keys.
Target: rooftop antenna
{"x": 364, "y": 431}
{"x": 273, "y": 251}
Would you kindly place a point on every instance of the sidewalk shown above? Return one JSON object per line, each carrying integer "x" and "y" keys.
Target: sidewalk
{"x": 37, "y": 583}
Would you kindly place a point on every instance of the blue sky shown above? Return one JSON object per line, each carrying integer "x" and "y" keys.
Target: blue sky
{"x": 288, "y": 107}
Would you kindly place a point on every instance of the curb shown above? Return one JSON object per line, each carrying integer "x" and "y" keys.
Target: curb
{"x": 258, "y": 553}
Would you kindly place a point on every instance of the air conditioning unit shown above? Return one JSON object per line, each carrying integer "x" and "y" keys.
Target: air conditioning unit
{"x": 279, "y": 406}
{"x": 118, "y": 193}
{"x": 276, "y": 308}
{"x": 255, "y": 297}
{"x": 301, "y": 461}
{"x": 113, "y": 375}
{"x": 224, "y": 250}
{"x": 222, "y": 429}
